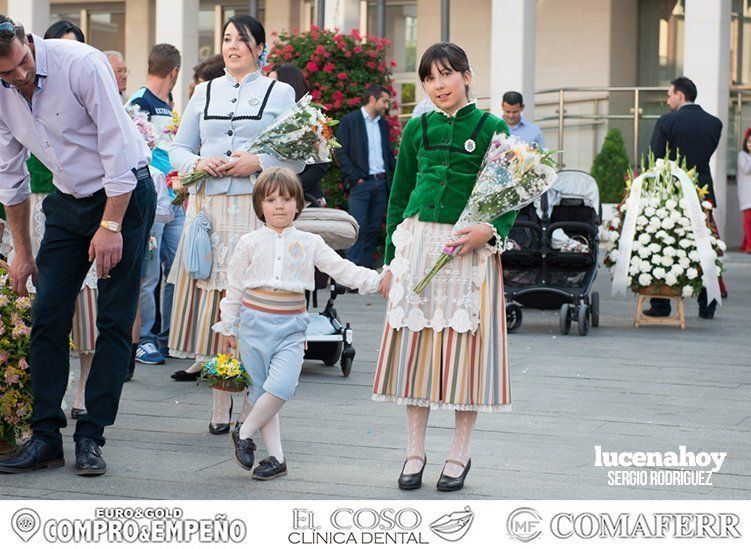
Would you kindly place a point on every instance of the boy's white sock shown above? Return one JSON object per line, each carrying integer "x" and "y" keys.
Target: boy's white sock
{"x": 265, "y": 408}
{"x": 272, "y": 438}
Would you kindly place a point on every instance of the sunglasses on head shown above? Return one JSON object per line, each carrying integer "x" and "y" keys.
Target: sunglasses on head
{"x": 7, "y": 27}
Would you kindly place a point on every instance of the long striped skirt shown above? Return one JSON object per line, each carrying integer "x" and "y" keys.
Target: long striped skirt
{"x": 83, "y": 331}
{"x": 448, "y": 369}
{"x": 195, "y": 303}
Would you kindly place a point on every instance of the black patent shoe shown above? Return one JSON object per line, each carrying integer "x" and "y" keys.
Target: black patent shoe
{"x": 452, "y": 484}
{"x": 412, "y": 481}
{"x": 270, "y": 468}
{"x": 77, "y": 413}
{"x": 35, "y": 454}
{"x": 222, "y": 428}
{"x": 657, "y": 312}
{"x": 89, "y": 462}
{"x": 244, "y": 448}
{"x": 182, "y": 375}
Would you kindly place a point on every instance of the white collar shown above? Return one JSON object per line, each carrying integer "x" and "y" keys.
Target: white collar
{"x": 447, "y": 115}
{"x": 366, "y": 115}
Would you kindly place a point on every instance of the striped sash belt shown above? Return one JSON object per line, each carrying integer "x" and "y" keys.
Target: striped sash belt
{"x": 276, "y": 302}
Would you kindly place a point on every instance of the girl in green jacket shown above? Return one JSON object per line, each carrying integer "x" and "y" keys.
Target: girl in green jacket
{"x": 446, "y": 347}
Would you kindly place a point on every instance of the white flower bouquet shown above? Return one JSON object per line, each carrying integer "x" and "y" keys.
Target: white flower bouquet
{"x": 512, "y": 175}
{"x": 304, "y": 134}
{"x": 664, "y": 250}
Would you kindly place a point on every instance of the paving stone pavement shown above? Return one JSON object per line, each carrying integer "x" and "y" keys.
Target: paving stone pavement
{"x": 625, "y": 389}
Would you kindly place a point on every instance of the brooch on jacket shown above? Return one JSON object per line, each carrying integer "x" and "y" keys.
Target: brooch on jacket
{"x": 469, "y": 145}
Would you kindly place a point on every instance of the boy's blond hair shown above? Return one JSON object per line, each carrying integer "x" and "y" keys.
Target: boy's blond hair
{"x": 281, "y": 180}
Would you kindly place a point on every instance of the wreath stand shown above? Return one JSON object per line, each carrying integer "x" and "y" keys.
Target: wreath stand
{"x": 675, "y": 319}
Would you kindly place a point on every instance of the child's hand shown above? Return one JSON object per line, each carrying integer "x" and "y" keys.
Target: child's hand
{"x": 385, "y": 285}
{"x": 228, "y": 344}
{"x": 472, "y": 237}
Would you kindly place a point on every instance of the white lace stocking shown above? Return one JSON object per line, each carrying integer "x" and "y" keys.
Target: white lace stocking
{"x": 460, "y": 451}
{"x": 417, "y": 425}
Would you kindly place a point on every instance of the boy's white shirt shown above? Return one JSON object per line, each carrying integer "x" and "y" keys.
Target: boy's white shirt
{"x": 285, "y": 261}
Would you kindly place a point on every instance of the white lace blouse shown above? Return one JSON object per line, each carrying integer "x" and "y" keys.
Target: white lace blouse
{"x": 286, "y": 261}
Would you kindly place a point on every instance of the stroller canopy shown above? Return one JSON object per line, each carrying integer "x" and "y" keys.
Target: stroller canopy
{"x": 572, "y": 184}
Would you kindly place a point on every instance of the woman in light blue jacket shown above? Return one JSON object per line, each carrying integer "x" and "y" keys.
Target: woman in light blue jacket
{"x": 222, "y": 116}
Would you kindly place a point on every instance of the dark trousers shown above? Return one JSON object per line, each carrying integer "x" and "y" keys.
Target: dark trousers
{"x": 62, "y": 265}
{"x": 367, "y": 202}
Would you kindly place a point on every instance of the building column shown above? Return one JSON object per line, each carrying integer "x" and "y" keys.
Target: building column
{"x": 177, "y": 24}
{"x": 512, "y": 46}
{"x": 139, "y": 38}
{"x": 343, "y": 15}
{"x": 284, "y": 17}
{"x": 707, "y": 63}
{"x": 34, "y": 15}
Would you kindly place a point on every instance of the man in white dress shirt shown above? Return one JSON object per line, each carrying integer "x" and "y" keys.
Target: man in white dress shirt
{"x": 59, "y": 101}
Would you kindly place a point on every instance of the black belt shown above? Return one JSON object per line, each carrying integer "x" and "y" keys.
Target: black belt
{"x": 381, "y": 175}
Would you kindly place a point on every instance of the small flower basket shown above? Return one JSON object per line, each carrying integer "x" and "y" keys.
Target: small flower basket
{"x": 225, "y": 373}
{"x": 16, "y": 397}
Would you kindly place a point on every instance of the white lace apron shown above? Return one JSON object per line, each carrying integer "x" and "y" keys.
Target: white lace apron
{"x": 452, "y": 299}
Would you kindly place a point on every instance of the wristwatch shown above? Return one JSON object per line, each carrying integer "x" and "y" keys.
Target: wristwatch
{"x": 113, "y": 226}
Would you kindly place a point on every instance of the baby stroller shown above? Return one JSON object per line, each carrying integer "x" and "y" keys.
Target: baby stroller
{"x": 552, "y": 260}
{"x": 327, "y": 339}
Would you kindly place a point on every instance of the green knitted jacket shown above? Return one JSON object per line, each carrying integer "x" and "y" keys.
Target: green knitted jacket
{"x": 435, "y": 171}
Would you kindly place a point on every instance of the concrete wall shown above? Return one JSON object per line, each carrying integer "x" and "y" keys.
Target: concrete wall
{"x": 4, "y": 7}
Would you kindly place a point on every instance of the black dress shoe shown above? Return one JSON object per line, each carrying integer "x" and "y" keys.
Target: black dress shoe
{"x": 706, "y": 313}
{"x": 222, "y": 428}
{"x": 182, "y": 375}
{"x": 76, "y": 413}
{"x": 244, "y": 448}
{"x": 35, "y": 454}
{"x": 414, "y": 480}
{"x": 270, "y": 468}
{"x": 89, "y": 460}
{"x": 657, "y": 312}
{"x": 452, "y": 484}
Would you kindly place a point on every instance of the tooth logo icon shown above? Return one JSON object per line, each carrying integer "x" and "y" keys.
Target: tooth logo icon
{"x": 454, "y": 526}
{"x": 25, "y": 523}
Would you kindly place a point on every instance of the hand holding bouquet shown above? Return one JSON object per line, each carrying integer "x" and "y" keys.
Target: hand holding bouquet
{"x": 301, "y": 134}
{"x": 512, "y": 175}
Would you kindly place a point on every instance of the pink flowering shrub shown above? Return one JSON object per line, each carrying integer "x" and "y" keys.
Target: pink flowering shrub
{"x": 15, "y": 378}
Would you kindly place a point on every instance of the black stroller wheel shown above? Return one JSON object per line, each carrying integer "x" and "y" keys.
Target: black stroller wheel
{"x": 513, "y": 318}
{"x": 348, "y": 356}
{"x": 564, "y": 319}
{"x": 334, "y": 357}
{"x": 594, "y": 301}
{"x": 583, "y": 319}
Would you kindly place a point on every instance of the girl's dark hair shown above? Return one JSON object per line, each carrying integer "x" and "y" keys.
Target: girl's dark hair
{"x": 212, "y": 68}
{"x": 292, "y": 75}
{"x": 447, "y": 55}
{"x": 61, "y": 28}
{"x": 745, "y": 140}
{"x": 247, "y": 27}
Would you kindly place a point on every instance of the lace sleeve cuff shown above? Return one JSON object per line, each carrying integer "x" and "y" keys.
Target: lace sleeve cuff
{"x": 495, "y": 244}
{"x": 225, "y": 328}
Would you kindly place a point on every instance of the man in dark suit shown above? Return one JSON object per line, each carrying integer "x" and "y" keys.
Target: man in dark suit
{"x": 367, "y": 162}
{"x": 693, "y": 133}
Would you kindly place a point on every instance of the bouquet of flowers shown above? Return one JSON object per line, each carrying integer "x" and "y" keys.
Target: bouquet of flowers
{"x": 303, "y": 133}
{"x": 141, "y": 120}
{"x": 15, "y": 379}
{"x": 171, "y": 128}
{"x": 226, "y": 373}
{"x": 512, "y": 175}
{"x": 664, "y": 245}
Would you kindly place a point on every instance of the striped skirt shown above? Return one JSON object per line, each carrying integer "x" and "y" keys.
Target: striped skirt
{"x": 195, "y": 303}
{"x": 83, "y": 330}
{"x": 448, "y": 369}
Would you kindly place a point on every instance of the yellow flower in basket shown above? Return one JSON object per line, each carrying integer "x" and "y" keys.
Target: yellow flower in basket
{"x": 226, "y": 373}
